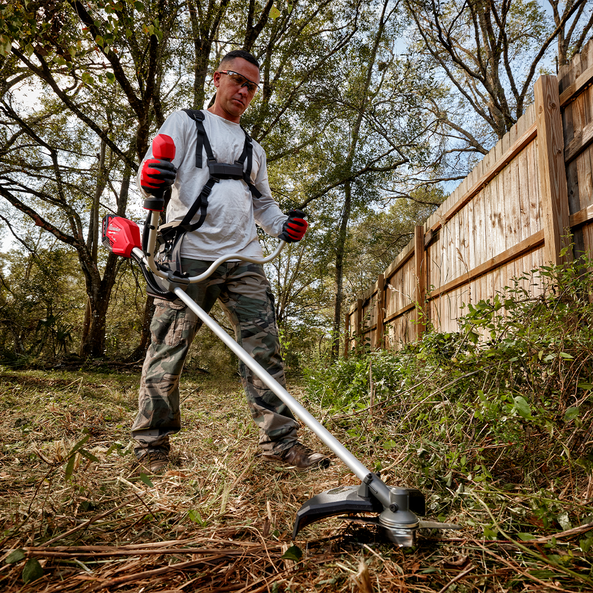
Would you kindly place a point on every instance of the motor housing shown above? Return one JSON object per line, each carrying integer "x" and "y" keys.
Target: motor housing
{"x": 120, "y": 235}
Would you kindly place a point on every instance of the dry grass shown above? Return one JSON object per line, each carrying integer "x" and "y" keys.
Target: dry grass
{"x": 221, "y": 519}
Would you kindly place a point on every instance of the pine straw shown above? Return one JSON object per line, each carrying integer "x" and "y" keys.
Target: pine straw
{"x": 221, "y": 519}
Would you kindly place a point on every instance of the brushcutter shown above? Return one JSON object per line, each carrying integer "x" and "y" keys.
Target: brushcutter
{"x": 395, "y": 509}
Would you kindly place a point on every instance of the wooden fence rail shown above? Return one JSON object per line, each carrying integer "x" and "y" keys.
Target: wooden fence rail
{"x": 509, "y": 216}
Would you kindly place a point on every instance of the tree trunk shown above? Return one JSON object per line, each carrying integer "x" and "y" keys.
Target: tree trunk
{"x": 142, "y": 347}
{"x": 94, "y": 227}
{"x": 93, "y": 342}
{"x": 204, "y": 28}
{"x": 86, "y": 326}
{"x": 339, "y": 274}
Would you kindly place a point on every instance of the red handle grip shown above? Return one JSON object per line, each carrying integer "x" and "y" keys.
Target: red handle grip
{"x": 163, "y": 148}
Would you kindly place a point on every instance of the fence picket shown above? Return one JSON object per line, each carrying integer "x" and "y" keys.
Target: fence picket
{"x": 505, "y": 218}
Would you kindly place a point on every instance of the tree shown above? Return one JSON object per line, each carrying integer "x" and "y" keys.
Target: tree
{"x": 124, "y": 73}
{"x": 490, "y": 53}
{"x": 40, "y": 301}
{"x": 95, "y": 85}
{"x": 378, "y": 238}
{"x": 376, "y": 132}
{"x": 106, "y": 73}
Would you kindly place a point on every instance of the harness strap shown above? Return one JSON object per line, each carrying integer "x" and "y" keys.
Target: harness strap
{"x": 169, "y": 230}
{"x": 202, "y": 204}
{"x": 202, "y": 138}
{"x": 248, "y": 154}
{"x": 172, "y": 234}
{"x": 223, "y": 170}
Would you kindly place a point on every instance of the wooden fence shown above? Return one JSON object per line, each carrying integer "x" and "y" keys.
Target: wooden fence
{"x": 509, "y": 216}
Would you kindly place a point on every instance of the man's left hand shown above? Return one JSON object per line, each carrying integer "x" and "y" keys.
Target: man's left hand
{"x": 295, "y": 227}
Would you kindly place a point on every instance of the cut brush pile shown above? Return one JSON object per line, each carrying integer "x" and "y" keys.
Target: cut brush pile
{"x": 496, "y": 432}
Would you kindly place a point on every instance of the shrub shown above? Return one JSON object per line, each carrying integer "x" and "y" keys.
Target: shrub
{"x": 506, "y": 400}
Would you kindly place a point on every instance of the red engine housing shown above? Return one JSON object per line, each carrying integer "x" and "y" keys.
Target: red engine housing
{"x": 120, "y": 235}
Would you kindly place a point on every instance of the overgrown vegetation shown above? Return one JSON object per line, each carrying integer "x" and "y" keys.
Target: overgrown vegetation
{"x": 495, "y": 416}
{"x": 492, "y": 423}
{"x": 511, "y": 391}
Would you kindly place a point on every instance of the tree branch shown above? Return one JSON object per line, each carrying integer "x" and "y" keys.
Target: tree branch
{"x": 38, "y": 219}
{"x": 45, "y": 74}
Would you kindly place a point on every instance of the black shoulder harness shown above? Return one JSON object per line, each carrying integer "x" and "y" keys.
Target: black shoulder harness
{"x": 171, "y": 234}
{"x": 217, "y": 170}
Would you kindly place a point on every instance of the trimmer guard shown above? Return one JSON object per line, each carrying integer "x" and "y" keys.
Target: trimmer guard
{"x": 350, "y": 500}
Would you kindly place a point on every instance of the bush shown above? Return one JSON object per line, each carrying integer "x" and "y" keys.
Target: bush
{"x": 506, "y": 400}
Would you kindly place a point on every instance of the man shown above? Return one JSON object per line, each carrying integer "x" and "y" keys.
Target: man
{"x": 233, "y": 194}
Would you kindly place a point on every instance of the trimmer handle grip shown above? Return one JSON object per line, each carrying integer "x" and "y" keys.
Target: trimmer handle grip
{"x": 163, "y": 148}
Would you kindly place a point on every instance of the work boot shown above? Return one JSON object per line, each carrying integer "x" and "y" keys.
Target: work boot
{"x": 155, "y": 461}
{"x": 300, "y": 457}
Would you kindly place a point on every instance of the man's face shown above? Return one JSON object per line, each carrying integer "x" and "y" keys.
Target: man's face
{"x": 232, "y": 99}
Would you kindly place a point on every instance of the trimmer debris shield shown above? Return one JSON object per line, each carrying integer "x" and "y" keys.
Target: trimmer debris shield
{"x": 337, "y": 501}
{"x": 398, "y": 519}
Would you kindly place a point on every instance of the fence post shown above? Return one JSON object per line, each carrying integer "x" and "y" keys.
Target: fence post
{"x": 347, "y": 335}
{"x": 358, "y": 323}
{"x": 380, "y": 311}
{"x": 420, "y": 270}
{"x": 552, "y": 171}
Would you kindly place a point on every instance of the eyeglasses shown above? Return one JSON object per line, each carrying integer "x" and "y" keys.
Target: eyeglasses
{"x": 241, "y": 81}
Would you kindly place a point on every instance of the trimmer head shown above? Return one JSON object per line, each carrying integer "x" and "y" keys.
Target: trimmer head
{"x": 398, "y": 519}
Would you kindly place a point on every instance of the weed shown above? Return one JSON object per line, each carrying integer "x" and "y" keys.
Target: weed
{"x": 502, "y": 405}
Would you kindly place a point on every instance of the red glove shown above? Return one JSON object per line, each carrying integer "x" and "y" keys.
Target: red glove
{"x": 157, "y": 175}
{"x": 295, "y": 227}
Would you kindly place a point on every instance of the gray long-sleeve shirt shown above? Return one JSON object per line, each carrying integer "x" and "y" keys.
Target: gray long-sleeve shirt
{"x": 232, "y": 212}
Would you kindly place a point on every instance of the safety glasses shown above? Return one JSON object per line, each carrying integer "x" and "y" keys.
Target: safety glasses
{"x": 241, "y": 81}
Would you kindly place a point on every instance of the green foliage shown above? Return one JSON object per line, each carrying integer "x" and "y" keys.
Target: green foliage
{"x": 146, "y": 480}
{"x": 15, "y": 556}
{"x": 40, "y": 304}
{"x": 76, "y": 453}
{"x": 293, "y": 553}
{"x": 346, "y": 384}
{"x": 195, "y": 516}
{"x": 32, "y": 570}
{"x": 503, "y": 402}
{"x": 377, "y": 237}
{"x": 47, "y": 28}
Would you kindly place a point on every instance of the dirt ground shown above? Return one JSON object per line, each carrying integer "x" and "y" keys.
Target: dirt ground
{"x": 76, "y": 516}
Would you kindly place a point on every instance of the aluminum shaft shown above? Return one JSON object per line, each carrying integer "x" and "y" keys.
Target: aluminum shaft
{"x": 359, "y": 470}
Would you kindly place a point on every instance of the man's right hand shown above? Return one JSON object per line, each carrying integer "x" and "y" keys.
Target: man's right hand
{"x": 157, "y": 175}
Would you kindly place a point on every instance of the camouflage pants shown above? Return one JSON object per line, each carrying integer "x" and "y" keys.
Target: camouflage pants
{"x": 245, "y": 295}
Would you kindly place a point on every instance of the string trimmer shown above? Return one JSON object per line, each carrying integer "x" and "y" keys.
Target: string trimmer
{"x": 395, "y": 509}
